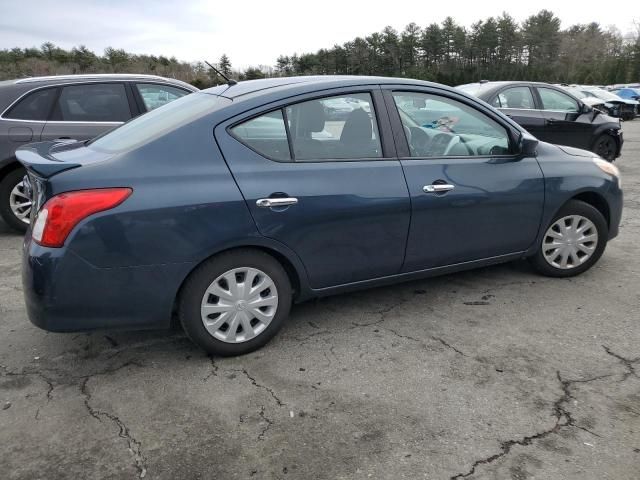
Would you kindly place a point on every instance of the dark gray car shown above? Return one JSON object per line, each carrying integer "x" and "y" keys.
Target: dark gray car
{"x": 77, "y": 107}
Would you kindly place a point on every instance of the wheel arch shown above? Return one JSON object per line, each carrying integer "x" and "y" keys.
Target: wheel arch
{"x": 291, "y": 264}
{"x": 9, "y": 166}
{"x": 595, "y": 200}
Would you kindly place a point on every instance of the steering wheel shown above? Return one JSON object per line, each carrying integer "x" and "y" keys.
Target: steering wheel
{"x": 457, "y": 139}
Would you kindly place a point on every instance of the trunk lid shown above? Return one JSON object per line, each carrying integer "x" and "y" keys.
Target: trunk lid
{"x": 46, "y": 159}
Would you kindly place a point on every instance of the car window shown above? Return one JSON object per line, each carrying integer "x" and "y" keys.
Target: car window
{"x": 266, "y": 134}
{"x": 154, "y": 95}
{"x": 340, "y": 127}
{"x": 554, "y": 100}
{"x": 441, "y": 127}
{"x": 35, "y": 106}
{"x": 100, "y": 102}
{"x": 161, "y": 121}
{"x": 515, "y": 97}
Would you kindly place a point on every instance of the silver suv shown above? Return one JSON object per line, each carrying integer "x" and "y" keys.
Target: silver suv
{"x": 77, "y": 107}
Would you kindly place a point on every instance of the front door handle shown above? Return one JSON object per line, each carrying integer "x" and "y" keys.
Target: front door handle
{"x": 437, "y": 188}
{"x": 276, "y": 202}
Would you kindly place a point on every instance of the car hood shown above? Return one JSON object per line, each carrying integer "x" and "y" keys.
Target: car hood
{"x": 576, "y": 152}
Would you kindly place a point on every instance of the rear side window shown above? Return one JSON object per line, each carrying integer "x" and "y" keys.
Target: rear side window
{"x": 35, "y": 106}
{"x": 554, "y": 100}
{"x": 265, "y": 134}
{"x": 515, "y": 97}
{"x": 333, "y": 128}
{"x": 100, "y": 102}
{"x": 154, "y": 95}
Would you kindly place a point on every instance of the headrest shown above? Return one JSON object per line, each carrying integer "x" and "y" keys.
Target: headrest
{"x": 311, "y": 117}
{"x": 357, "y": 128}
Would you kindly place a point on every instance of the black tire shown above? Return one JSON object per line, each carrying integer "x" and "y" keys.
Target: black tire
{"x": 6, "y": 186}
{"x": 573, "y": 207}
{"x": 606, "y": 146}
{"x": 197, "y": 283}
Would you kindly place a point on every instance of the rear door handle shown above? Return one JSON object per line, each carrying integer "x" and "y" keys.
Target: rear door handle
{"x": 438, "y": 187}
{"x": 276, "y": 202}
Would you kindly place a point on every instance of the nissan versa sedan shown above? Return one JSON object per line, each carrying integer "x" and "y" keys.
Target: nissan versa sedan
{"x": 552, "y": 114}
{"x": 192, "y": 209}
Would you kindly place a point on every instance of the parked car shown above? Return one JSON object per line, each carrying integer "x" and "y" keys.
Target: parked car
{"x": 614, "y": 105}
{"x": 627, "y": 93}
{"x": 552, "y": 115}
{"x": 187, "y": 209}
{"x": 67, "y": 107}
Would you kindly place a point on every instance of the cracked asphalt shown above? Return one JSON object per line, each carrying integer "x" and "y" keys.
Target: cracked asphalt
{"x": 491, "y": 374}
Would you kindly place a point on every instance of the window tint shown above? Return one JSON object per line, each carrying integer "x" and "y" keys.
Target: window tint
{"x": 554, "y": 100}
{"x": 161, "y": 121}
{"x": 35, "y": 106}
{"x": 106, "y": 102}
{"x": 441, "y": 127}
{"x": 266, "y": 134}
{"x": 515, "y": 97}
{"x": 341, "y": 127}
{"x": 154, "y": 96}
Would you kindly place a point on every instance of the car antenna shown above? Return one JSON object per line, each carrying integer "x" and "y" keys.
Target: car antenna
{"x": 230, "y": 81}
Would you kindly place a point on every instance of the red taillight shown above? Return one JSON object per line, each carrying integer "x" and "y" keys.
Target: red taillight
{"x": 64, "y": 211}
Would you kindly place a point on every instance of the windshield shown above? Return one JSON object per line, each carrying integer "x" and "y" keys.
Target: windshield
{"x": 471, "y": 88}
{"x": 152, "y": 125}
{"x": 576, "y": 92}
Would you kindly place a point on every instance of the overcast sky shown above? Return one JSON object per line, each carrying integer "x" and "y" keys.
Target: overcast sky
{"x": 253, "y": 32}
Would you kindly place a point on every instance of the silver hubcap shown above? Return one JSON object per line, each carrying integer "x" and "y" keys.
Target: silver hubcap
{"x": 239, "y": 305}
{"x": 20, "y": 203}
{"x": 570, "y": 242}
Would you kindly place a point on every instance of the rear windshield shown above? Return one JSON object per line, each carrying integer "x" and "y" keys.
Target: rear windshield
{"x": 156, "y": 123}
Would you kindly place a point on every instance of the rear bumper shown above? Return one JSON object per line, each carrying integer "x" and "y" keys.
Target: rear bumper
{"x": 64, "y": 293}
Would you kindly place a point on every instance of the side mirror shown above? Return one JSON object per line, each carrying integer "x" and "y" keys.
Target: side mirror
{"x": 586, "y": 108}
{"x": 528, "y": 145}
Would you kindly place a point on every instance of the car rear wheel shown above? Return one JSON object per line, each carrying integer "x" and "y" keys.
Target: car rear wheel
{"x": 606, "y": 146}
{"x": 15, "y": 204}
{"x": 235, "y": 302}
{"x": 573, "y": 241}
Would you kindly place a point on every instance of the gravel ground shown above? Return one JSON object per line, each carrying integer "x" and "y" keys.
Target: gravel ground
{"x": 491, "y": 374}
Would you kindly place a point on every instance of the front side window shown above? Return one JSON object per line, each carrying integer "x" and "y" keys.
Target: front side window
{"x": 100, "y": 102}
{"x": 515, "y": 97}
{"x": 334, "y": 128}
{"x": 554, "y": 100}
{"x": 36, "y": 106}
{"x": 442, "y": 127}
{"x": 154, "y": 95}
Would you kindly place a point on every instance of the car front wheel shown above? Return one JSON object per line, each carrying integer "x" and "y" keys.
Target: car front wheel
{"x": 235, "y": 302}
{"x": 15, "y": 204}
{"x": 573, "y": 241}
{"x": 606, "y": 146}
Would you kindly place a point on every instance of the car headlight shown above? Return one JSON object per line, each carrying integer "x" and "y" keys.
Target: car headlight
{"x": 608, "y": 167}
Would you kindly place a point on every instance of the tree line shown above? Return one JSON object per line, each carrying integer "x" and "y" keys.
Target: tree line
{"x": 497, "y": 48}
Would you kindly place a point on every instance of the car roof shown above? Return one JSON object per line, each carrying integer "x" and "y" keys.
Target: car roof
{"x": 28, "y": 83}
{"x": 282, "y": 84}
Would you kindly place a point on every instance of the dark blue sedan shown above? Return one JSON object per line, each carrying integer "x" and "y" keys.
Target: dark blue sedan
{"x": 228, "y": 205}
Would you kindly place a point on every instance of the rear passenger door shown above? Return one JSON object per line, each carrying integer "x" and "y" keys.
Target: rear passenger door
{"x": 320, "y": 176}
{"x": 83, "y": 111}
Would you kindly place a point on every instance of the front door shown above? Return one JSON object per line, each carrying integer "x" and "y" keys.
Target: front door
{"x": 561, "y": 114}
{"x": 472, "y": 197}
{"x": 319, "y": 177}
